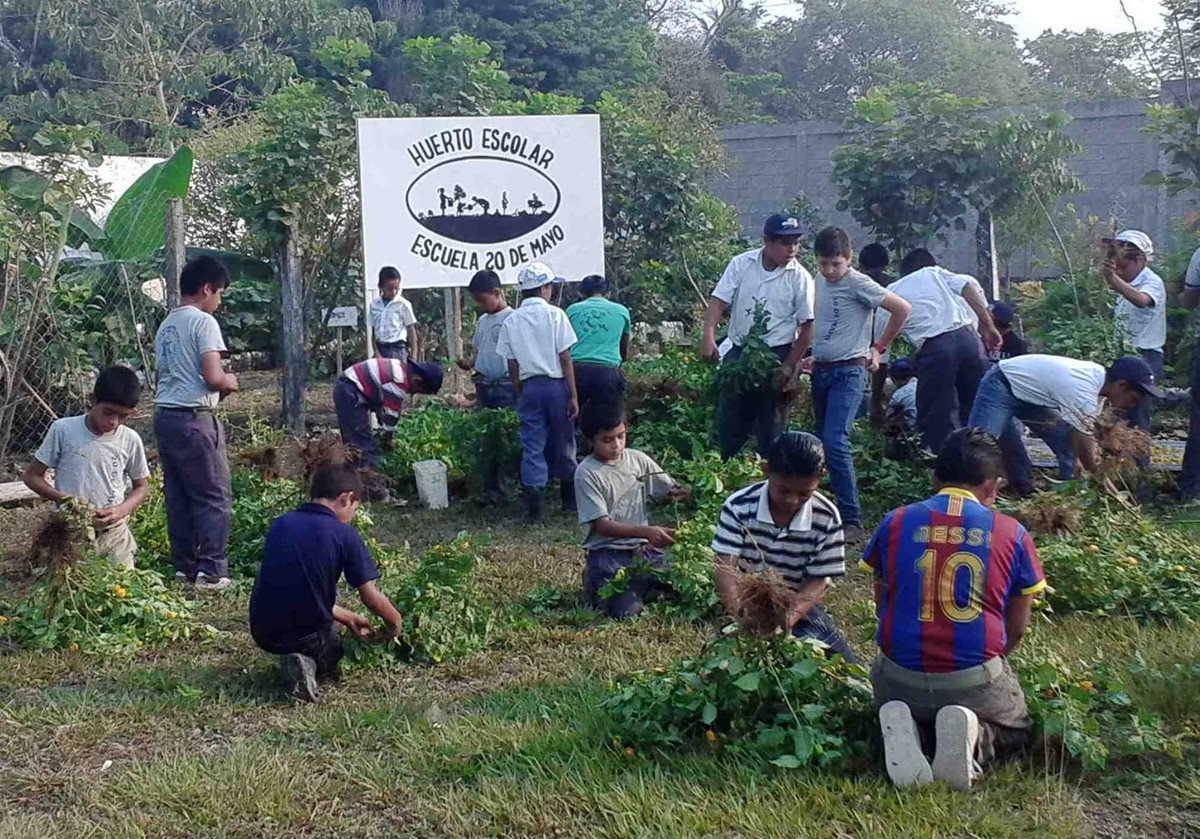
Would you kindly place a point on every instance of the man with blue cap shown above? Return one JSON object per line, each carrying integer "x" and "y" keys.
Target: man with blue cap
{"x": 771, "y": 277}
{"x": 381, "y": 386}
{"x": 1059, "y": 399}
{"x": 536, "y": 341}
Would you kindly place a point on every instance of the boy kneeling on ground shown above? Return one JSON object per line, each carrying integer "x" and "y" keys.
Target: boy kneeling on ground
{"x": 954, "y": 587}
{"x": 611, "y": 487}
{"x": 784, "y": 525}
{"x": 293, "y": 609}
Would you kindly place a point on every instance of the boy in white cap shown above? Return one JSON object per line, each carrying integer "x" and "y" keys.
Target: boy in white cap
{"x": 536, "y": 341}
{"x": 1142, "y": 307}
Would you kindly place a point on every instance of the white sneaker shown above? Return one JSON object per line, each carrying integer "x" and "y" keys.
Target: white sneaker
{"x": 207, "y": 583}
{"x": 906, "y": 763}
{"x": 957, "y": 736}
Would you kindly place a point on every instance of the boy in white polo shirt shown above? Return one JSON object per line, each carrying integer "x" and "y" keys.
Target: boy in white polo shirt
{"x": 393, "y": 322}
{"x": 1141, "y": 312}
{"x": 1058, "y": 399}
{"x": 536, "y": 341}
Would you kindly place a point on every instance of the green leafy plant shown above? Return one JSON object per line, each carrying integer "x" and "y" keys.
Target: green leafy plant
{"x": 445, "y": 616}
{"x": 758, "y": 367}
{"x": 1089, "y": 715}
{"x": 94, "y": 607}
{"x": 776, "y": 696}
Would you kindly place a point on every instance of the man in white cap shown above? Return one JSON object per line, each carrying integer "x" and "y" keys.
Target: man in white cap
{"x": 536, "y": 341}
{"x": 1141, "y": 312}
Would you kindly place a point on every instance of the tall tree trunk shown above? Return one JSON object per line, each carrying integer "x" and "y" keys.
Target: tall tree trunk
{"x": 295, "y": 353}
{"x": 985, "y": 254}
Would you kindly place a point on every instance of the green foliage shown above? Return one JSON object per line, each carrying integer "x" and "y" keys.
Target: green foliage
{"x": 757, "y": 368}
{"x": 777, "y": 697}
{"x": 135, "y": 225}
{"x": 1072, "y": 317}
{"x": 1090, "y": 715}
{"x": 1118, "y": 562}
{"x": 919, "y": 158}
{"x": 884, "y": 483}
{"x": 454, "y": 77}
{"x": 445, "y": 616}
{"x": 1180, "y": 144}
{"x": 95, "y": 607}
{"x": 460, "y": 439}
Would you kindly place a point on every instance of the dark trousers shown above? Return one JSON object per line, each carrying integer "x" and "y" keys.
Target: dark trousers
{"x": 547, "y": 436}
{"x": 764, "y": 413}
{"x": 1189, "y": 482}
{"x": 196, "y": 488}
{"x": 324, "y": 645}
{"x": 598, "y": 383}
{"x": 1139, "y": 416}
{"x": 398, "y": 350}
{"x": 991, "y": 690}
{"x": 492, "y": 393}
{"x": 819, "y": 625}
{"x": 603, "y": 565}
{"x": 949, "y": 367}
{"x": 354, "y": 421}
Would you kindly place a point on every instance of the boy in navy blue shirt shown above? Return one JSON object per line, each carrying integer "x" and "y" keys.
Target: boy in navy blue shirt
{"x": 293, "y": 609}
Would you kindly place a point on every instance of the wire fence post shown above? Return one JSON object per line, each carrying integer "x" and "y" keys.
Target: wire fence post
{"x": 175, "y": 246}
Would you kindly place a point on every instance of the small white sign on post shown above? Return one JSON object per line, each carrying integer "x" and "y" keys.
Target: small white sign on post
{"x": 341, "y": 318}
{"x": 444, "y": 197}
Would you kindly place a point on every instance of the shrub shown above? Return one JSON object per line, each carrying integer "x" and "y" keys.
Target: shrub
{"x": 458, "y": 438}
{"x": 776, "y": 696}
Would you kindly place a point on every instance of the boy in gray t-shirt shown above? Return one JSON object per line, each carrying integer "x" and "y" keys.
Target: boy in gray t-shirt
{"x": 611, "y": 488}
{"x": 191, "y": 440}
{"x": 93, "y": 456}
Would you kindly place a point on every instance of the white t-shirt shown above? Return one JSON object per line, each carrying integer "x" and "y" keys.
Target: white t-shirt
{"x": 93, "y": 467}
{"x": 1145, "y": 328}
{"x": 390, "y": 319}
{"x": 938, "y": 306}
{"x": 534, "y": 335}
{"x": 785, "y": 293}
{"x": 185, "y": 335}
{"x": 1070, "y": 386}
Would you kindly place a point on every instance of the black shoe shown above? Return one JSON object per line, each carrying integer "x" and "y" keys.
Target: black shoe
{"x": 535, "y": 504}
{"x": 568, "y": 496}
{"x": 300, "y": 675}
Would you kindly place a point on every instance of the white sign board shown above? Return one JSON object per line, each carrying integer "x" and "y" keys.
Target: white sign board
{"x": 342, "y": 316}
{"x": 444, "y": 197}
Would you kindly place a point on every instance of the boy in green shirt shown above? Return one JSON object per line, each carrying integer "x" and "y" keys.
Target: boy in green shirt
{"x": 603, "y": 329}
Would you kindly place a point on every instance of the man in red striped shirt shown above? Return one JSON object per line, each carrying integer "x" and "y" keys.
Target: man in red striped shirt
{"x": 954, "y": 588}
{"x": 378, "y": 385}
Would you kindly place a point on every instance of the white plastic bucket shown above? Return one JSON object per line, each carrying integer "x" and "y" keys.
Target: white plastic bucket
{"x": 431, "y": 484}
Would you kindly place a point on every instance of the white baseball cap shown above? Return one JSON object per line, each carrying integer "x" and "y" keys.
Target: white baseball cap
{"x": 1136, "y": 238}
{"x": 535, "y": 275}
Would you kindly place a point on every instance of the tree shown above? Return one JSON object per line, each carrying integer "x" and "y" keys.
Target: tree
{"x": 457, "y": 76}
{"x": 574, "y": 47}
{"x": 1073, "y": 66}
{"x": 919, "y": 158}
{"x": 292, "y": 187}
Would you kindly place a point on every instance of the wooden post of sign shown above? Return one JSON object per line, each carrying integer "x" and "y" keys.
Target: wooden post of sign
{"x": 175, "y": 246}
{"x": 340, "y": 330}
{"x": 452, "y": 312}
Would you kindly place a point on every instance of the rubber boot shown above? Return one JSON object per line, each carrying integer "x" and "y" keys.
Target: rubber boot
{"x": 535, "y": 503}
{"x": 567, "y": 491}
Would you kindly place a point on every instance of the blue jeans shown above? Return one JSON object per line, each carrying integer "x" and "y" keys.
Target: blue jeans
{"x": 837, "y": 394}
{"x": 604, "y": 563}
{"x": 819, "y": 625}
{"x": 997, "y": 410}
{"x": 547, "y": 436}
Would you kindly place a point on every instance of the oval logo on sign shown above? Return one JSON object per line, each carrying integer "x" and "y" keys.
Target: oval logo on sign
{"x": 482, "y": 200}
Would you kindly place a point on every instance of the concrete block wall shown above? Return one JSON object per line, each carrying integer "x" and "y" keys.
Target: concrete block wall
{"x": 769, "y": 165}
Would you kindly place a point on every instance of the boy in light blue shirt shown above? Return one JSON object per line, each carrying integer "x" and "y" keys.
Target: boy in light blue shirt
{"x": 604, "y": 329}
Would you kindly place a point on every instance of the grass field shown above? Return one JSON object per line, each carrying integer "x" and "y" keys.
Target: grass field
{"x": 197, "y": 741}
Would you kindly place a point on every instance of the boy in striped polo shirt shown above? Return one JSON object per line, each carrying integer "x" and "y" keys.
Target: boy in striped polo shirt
{"x": 954, "y": 588}
{"x": 378, "y": 385}
{"x": 784, "y": 525}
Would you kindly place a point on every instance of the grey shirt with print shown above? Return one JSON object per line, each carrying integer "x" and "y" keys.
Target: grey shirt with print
{"x": 618, "y": 491}
{"x": 185, "y": 335}
{"x": 92, "y": 467}
{"x": 843, "y": 316}
{"x": 488, "y": 363}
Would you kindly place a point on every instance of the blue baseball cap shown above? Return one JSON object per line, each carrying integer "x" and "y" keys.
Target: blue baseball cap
{"x": 901, "y": 368}
{"x": 1002, "y": 312}
{"x": 430, "y": 371}
{"x": 781, "y": 224}
{"x": 1136, "y": 372}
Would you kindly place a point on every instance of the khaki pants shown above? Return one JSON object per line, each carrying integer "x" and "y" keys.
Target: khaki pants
{"x": 991, "y": 690}
{"x": 117, "y": 545}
